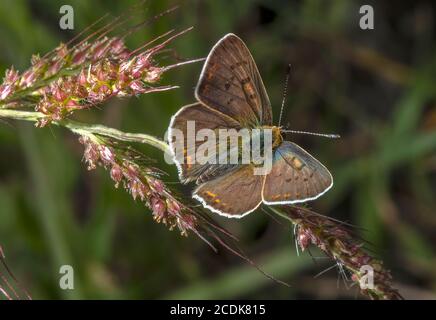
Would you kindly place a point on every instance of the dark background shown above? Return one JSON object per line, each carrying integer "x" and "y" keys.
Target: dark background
{"x": 374, "y": 87}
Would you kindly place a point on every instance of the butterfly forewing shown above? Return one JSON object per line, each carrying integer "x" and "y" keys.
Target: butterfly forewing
{"x": 295, "y": 176}
{"x": 230, "y": 83}
{"x": 233, "y": 194}
{"x": 203, "y": 118}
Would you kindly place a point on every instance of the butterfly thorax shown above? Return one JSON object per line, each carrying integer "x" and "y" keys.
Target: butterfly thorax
{"x": 277, "y": 137}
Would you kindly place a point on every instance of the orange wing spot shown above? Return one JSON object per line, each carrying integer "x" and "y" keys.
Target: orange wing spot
{"x": 297, "y": 164}
{"x": 189, "y": 162}
{"x": 287, "y": 195}
{"x": 210, "y": 73}
{"x": 275, "y": 197}
{"x": 210, "y": 194}
{"x": 249, "y": 89}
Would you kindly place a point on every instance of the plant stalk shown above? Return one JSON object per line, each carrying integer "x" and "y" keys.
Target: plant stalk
{"x": 87, "y": 129}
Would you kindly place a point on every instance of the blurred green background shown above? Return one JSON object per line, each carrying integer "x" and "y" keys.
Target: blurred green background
{"x": 374, "y": 87}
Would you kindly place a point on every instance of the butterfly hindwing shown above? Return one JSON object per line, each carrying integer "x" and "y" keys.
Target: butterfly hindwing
{"x": 230, "y": 83}
{"x": 295, "y": 176}
{"x": 233, "y": 194}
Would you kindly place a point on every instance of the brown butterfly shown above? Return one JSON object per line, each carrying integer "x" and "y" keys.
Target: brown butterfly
{"x": 231, "y": 94}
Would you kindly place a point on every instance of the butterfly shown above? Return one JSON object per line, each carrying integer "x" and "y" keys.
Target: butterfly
{"x": 230, "y": 94}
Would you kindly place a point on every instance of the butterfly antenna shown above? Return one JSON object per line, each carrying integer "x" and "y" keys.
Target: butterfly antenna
{"x": 285, "y": 92}
{"x": 326, "y": 135}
